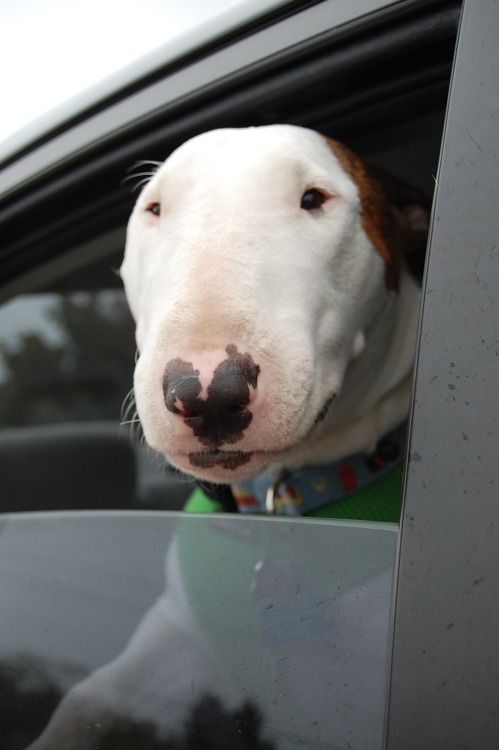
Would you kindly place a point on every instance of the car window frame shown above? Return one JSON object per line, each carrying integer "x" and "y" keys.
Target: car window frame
{"x": 443, "y": 675}
{"x": 81, "y": 196}
{"x": 434, "y": 577}
{"x": 251, "y": 52}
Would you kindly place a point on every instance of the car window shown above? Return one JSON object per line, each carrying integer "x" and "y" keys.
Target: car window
{"x": 66, "y": 379}
{"x": 64, "y": 357}
{"x": 184, "y": 632}
{"x": 66, "y": 341}
{"x": 234, "y": 580}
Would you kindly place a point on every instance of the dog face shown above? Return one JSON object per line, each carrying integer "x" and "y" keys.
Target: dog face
{"x": 256, "y": 263}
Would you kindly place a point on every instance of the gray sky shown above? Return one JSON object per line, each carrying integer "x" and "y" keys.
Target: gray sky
{"x": 52, "y": 49}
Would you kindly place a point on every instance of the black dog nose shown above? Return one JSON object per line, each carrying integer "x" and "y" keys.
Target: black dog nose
{"x": 223, "y": 415}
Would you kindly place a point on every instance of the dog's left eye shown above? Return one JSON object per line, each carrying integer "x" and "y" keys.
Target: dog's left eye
{"x": 154, "y": 208}
{"x": 312, "y": 198}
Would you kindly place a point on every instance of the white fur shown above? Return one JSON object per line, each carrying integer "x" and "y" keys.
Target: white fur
{"x": 233, "y": 258}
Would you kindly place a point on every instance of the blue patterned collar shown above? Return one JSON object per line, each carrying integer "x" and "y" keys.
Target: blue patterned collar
{"x": 306, "y": 490}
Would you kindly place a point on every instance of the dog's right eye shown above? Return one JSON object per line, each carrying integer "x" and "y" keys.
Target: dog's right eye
{"x": 312, "y": 199}
{"x": 154, "y": 208}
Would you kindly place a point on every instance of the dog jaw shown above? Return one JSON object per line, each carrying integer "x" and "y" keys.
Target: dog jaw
{"x": 233, "y": 259}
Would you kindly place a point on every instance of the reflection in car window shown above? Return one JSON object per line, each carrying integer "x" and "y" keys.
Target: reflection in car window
{"x": 162, "y": 632}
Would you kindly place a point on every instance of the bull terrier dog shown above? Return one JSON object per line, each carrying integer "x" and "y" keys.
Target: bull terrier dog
{"x": 275, "y": 313}
{"x": 267, "y": 270}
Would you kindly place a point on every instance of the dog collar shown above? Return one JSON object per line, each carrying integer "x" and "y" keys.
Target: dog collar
{"x": 304, "y": 491}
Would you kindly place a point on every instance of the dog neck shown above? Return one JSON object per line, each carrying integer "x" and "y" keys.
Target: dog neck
{"x": 319, "y": 488}
{"x": 369, "y": 407}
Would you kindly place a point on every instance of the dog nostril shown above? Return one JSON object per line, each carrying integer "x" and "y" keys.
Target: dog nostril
{"x": 236, "y": 408}
{"x": 186, "y": 413}
{"x": 181, "y": 388}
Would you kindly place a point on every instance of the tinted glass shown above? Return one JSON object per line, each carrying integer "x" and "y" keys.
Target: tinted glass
{"x": 193, "y": 632}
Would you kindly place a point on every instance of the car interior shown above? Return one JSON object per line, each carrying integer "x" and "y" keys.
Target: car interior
{"x": 66, "y": 337}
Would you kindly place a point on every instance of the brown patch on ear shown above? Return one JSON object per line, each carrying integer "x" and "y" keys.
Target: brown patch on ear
{"x": 384, "y": 211}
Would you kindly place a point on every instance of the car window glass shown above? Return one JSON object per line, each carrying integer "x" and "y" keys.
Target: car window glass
{"x": 66, "y": 406}
{"x": 64, "y": 357}
{"x": 228, "y": 633}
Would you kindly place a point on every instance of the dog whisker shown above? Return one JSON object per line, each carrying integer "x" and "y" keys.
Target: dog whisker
{"x": 138, "y": 174}
{"x": 141, "y": 184}
{"x": 129, "y": 416}
{"x": 143, "y": 163}
{"x": 128, "y": 401}
{"x": 146, "y": 175}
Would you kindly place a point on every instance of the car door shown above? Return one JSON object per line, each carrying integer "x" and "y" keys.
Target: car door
{"x": 300, "y": 646}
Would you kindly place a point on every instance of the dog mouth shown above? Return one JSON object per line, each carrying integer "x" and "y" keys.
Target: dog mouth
{"x": 325, "y": 409}
{"x": 225, "y": 459}
{"x": 232, "y": 460}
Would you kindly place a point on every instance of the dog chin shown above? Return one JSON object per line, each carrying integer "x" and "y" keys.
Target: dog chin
{"x": 223, "y": 466}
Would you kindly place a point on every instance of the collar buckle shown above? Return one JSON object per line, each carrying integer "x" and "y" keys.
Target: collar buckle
{"x": 272, "y": 491}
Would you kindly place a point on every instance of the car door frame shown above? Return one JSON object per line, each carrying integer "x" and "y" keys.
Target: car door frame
{"x": 444, "y": 675}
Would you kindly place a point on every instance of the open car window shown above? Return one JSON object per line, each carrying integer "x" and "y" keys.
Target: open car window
{"x": 329, "y": 68}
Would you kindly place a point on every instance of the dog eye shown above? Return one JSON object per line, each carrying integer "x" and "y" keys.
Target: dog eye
{"x": 312, "y": 199}
{"x": 154, "y": 208}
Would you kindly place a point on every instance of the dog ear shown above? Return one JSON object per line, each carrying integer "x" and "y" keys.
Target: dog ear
{"x": 395, "y": 216}
{"x": 415, "y": 207}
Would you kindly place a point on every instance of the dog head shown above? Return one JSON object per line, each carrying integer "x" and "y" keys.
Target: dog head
{"x": 260, "y": 265}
